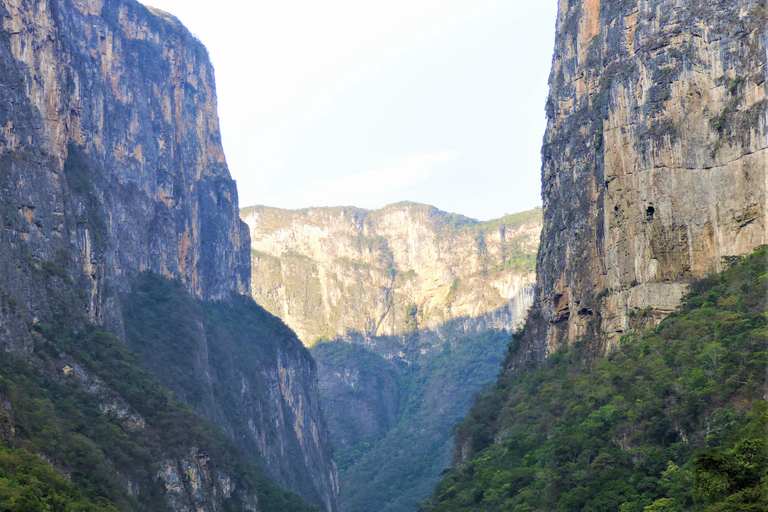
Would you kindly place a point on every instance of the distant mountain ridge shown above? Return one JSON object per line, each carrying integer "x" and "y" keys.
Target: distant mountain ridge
{"x": 408, "y": 311}
{"x": 360, "y": 274}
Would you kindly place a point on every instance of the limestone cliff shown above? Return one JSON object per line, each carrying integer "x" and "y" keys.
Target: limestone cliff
{"x": 111, "y": 153}
{"x": 655, "y": 160}
{"x": 422, "y": 301}
{"x": 111, "y": 164}
{"x": 404, "y": 271}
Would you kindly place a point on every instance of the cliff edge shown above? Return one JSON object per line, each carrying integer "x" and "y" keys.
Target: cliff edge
{"x": 655, "y": 161}
{"x": 112, "y": 169}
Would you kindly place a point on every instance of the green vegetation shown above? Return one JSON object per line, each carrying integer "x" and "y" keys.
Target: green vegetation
{"x": 394, "y": 472}
{"x": 27, "y": 484}
{"x": 171, "y": 332}
{"x": 376, "y": 390}
{"x": 519, "y": 261}
{"x": 452, "y": 291}
{"x": 83, "y": 403}
{"x": 673, "y": 420}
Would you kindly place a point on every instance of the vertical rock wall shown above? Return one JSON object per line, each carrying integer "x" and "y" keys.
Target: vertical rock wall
{"x": 111, "y": 164}
{"x": 110, "y": 152}
{"x": 655, "y": 160}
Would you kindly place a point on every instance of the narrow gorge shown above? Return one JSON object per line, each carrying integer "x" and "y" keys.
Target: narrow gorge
{"x": 408, "y": 311}
{"x": 163, "y": 350}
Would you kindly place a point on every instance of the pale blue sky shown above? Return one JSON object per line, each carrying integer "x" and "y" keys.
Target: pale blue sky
{"x": 355, "y": 102}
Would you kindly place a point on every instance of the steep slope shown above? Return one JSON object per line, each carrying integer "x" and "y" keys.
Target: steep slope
{"x": 654, "y": 173}
{"x": 84, "y": 405}
{"x": 418, "y": 301}
{"x": 655, "y": 160}
{"x": 111, "y": 165}
{"x": 361, "y": 275}
{"x": 243, "y": 368}
{"x": 391, "y": 457}
{"x": 675, "y": 418}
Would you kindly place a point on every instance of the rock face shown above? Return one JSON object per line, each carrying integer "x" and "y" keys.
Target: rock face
{"x": 418, "y": 303}
{"x": 401, "y": 272}
{"x": 360, "y": 393}
{"x": 191, "y": 481}
{"x": 111, "y": 164}
{"x": 111, "y": 152}
{"x": 655, "y": 160}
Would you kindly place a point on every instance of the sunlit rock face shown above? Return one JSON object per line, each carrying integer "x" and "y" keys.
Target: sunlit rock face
{"x": 111, "y": 153}
{"x": 654, "y": 160}
{"x": 416, "y": 301}
{"x": 111, "y": 164}
{"x": 386, "y": 277}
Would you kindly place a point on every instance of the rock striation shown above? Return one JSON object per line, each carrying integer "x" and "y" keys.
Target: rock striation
{"x": 111, "y": 165}
{"x": 111, "y": 153}
{"x": 404, "y": 272}
{"x": 655, "y": 161}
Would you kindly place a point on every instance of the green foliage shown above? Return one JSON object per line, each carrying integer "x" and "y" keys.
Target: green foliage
{"x": 27, "y": 484}
{"x": 170, "y": 331}
{"x": 395, "y": 472}
{"x": 89, "y": 406}
{"x": 452, "y": 292}
{"x": 524, "y": 262}
{"x": 379, "y": 381}
{"x": 410, "y": 320}
{"x": 673, "y": 419}
{"x": 162, "y": 328}
{"x": 513, "y": 221}
{"x": 734, "y": 476}
{"x": 57, "y": 419}
{"x": 53, "y": 269}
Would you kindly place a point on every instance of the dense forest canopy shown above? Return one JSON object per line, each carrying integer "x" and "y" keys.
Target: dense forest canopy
{"x": 674, "y": 419}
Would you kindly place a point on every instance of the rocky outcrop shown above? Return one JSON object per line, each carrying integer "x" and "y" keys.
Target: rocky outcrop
{"x": 405, "y": 271}
{"x": 111, "y": 164}
{"x": 191, "y": 482}
{"x": 655, "y": 160}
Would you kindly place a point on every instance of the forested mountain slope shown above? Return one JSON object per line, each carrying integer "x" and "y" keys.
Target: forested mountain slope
{"x": 675, "y": 418}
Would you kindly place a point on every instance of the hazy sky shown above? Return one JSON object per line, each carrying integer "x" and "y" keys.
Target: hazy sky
{"x": 356, "y": 102}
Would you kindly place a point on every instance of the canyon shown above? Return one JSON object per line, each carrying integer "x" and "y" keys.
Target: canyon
{"x": 112, "y": 169}
{"x": 407, "y": 311}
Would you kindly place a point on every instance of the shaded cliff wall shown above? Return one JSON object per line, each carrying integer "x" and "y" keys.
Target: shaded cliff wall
{"x": 238, "y": 365}
{"x": 110, "y": 165}
{"x": 111, "y": 154}
{"x": 654, "y": 160}
{"x": 402, "y": 272}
